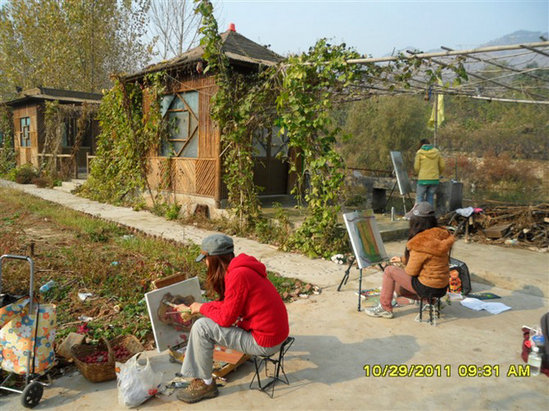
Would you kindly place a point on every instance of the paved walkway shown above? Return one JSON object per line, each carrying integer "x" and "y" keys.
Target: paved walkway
{"x": 334, "y": 342}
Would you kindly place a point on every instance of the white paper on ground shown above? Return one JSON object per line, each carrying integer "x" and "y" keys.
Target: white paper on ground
{"x": 477, "y": 305}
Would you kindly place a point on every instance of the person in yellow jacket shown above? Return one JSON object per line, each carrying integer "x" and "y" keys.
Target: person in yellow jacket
{"x": 428, "y": 165}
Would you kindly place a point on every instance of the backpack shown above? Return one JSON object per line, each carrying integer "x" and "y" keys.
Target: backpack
{"x": 460, "y": 280}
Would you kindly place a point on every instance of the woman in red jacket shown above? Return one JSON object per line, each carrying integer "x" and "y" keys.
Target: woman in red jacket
{"x": 248, "y": 316}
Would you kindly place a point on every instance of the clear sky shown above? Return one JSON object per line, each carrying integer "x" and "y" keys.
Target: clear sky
{"x": 375, "y": 27}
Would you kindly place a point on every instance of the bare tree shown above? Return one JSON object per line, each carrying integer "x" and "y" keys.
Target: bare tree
{"x": 174, "y": 25}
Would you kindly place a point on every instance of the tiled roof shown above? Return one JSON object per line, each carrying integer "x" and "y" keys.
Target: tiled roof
{"x": 65, "y": 96}
{"x": 235, "y": 46}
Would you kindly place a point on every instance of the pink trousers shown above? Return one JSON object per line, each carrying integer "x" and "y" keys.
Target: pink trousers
{"x": 395, "y": 278}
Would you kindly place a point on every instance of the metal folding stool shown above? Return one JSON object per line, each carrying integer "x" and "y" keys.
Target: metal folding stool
{"x": 433, "y": 300}
{"x": 278, "y": 363}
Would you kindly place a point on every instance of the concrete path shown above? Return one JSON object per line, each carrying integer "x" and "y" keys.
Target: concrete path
{"x": 336, "y": 345}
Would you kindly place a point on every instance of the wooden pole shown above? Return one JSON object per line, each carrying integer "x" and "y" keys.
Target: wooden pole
{"x": 436, "y": 120}
{"x": 529, "y": 46}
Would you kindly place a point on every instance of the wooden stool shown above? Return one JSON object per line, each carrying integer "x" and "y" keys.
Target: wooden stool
{"x": 278, "y": 363}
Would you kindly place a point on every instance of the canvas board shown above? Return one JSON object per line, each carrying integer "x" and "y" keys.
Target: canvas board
{"x": 404, "y": 186}
{"x": 365, "y": 238}
{"x": 166, "y": 335}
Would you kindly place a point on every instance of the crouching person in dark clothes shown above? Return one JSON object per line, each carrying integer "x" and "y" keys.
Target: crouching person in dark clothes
{"x": 249, "y": 315}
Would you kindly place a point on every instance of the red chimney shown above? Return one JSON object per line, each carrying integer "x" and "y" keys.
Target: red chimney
{"x": 232, "y": 27}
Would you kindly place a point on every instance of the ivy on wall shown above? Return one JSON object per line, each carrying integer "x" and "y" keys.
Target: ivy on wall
{"x": 7, "y": 155}
{"x": 233, "y": 111}
{"x": 128, "y": 135}
{"x": 56, "y": 118}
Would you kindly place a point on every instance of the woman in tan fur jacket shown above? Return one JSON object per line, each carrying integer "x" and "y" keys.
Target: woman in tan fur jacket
{"x": 426, "y": 262}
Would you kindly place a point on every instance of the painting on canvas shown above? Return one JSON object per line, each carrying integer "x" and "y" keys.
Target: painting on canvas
{"x": 365, "y": 238}
{"x": 171, "y": 328}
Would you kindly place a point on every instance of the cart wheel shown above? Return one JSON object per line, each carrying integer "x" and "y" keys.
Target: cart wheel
{"x": 32, "y": 394}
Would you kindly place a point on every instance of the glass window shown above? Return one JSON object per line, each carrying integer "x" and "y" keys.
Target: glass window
{"x": 182, "y": 117}
{"x": 270, "y": 143}
{"x": 24, "y": 134}
{"x": 69, "y": 132}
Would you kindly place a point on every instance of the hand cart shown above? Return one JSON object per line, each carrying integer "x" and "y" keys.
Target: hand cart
{"x": 33, "y": 390}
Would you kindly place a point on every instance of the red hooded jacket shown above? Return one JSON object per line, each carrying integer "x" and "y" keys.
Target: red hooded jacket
{"x": 251, "y": 301}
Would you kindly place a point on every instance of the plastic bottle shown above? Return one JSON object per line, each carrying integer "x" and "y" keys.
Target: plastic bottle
{"x": 534, "y": 361}
{"x": 539, "y": 341}
{"x": 47, "y": 286}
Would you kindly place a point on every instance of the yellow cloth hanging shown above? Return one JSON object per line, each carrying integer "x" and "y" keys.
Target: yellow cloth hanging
{"x": 438, "y": 109}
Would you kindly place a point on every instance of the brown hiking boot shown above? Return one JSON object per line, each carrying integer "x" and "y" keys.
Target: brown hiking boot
{"x": 198, "y": 390}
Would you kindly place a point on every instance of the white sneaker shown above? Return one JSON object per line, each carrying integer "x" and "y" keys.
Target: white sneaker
{"x": 378, "y": 311}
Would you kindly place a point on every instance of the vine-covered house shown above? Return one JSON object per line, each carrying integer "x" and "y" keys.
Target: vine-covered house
{"x": 192, "y": 154}
{"x": 56, "y": 132}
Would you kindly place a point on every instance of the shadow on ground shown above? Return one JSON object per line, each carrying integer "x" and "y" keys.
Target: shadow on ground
{"x": 322, "y": 359}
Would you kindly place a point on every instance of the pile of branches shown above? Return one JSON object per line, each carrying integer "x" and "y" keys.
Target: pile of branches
{"x": 511, "y": 225}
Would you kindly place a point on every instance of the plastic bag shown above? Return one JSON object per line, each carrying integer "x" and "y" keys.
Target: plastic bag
{"x": 136, "y": 381}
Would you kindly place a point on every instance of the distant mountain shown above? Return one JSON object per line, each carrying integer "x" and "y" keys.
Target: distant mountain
{"x": 520, "y": 36}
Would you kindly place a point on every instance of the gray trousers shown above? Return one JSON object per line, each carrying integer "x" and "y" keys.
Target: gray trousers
{"x": 205, "y": 333}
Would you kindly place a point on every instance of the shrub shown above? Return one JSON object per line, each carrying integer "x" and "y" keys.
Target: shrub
{"x": 172, "y": 211}
{"x": 25, "y": 174}
{"x": 42, "y": 182}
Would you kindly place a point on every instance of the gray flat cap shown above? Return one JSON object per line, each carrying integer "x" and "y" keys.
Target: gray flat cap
{"x": 215, "y": 244}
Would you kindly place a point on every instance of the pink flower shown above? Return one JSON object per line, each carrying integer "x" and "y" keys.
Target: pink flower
{"x": 83, "y": 329}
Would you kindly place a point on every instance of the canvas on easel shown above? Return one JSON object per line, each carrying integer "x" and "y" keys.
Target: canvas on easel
{"x": 404, "y": 186}
{"x": 365, "y": 238}
{"x": 366, "y": 242}
{"x": 402, "y": 180}
{"x": 166, "y": 335}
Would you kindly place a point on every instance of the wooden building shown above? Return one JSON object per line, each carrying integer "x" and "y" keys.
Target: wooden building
{"x": 29, "y": 129}
{"x": 192, "y": 156}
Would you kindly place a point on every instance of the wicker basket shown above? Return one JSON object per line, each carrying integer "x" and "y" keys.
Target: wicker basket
{"x": 98, "y": 372}
{"x": 94, "y": 372}
{"x": 130, "y": 342}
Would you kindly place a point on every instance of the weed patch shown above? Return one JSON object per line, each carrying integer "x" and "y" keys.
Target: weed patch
{"x": 82, "y": 254}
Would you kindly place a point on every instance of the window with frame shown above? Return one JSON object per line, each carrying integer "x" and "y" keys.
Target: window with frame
{"x": 69, "y": 132}
{"x": 270, "y": 143}
{"x": 24, "y": 133}
{"x": 181, "y": 112}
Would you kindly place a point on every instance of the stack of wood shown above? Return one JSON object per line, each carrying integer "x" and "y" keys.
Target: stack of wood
{"x": 511, "y": 225}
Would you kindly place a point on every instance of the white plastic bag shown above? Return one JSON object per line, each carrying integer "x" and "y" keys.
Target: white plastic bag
{"x": 136, "y": 381}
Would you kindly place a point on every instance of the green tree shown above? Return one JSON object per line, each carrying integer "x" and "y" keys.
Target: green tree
{"x": 382, "y": 124}
{"x": 70, "y": 44}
